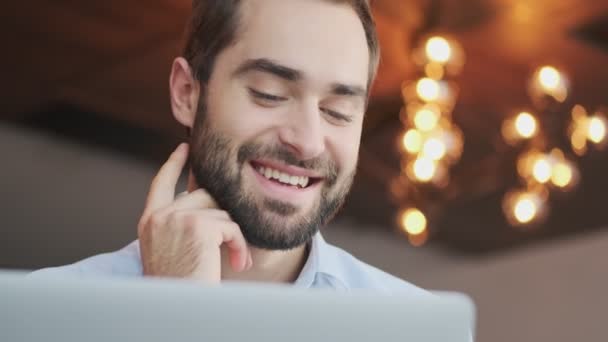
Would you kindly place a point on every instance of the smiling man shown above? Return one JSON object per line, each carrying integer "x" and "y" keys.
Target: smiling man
{"x": 274, "y": 94}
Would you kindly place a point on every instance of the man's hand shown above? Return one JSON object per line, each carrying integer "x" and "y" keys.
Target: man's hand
{"x": 181, "y": 237}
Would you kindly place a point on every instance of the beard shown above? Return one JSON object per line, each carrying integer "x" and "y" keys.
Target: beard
{"x": 217, "y": 166}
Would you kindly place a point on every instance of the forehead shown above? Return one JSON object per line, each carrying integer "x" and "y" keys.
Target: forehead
{"x": 324, "y": 40}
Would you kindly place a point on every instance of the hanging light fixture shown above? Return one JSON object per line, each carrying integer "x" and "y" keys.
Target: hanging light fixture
{"x": 431, "y": 142}
{"x": 548, "y": 168}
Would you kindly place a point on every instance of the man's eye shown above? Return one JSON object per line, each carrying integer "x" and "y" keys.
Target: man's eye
{"x": 266, "y": 97}
{"x": 337, "y": 116}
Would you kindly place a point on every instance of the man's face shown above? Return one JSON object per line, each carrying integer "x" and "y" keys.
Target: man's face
{"x": 278, "y": 125}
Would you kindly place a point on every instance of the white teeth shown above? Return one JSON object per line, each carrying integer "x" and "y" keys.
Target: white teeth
{"x": 284, "y": 178}
{"x": 294, "y": 180}
{"x": 269, "y": 173}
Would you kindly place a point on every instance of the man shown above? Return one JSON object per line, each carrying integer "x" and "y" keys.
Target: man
{"x": 274, "y": 94}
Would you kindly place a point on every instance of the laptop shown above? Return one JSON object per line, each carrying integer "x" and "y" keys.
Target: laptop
{"x": 154, "y": 310}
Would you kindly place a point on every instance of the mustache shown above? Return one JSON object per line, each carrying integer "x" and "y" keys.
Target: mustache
{"x": 323, "y": 164}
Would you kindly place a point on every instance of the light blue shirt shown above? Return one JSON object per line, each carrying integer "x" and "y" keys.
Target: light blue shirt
{"x": 327, "y": 267}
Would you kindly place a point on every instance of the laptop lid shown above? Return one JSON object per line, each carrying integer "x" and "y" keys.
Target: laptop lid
{"x": 95, "y": 309}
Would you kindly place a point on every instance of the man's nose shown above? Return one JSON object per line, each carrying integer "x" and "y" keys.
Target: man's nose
{"x": 303, "y": 132}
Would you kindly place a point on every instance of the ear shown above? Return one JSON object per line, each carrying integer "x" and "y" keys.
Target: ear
{"x": 185, "y": 91}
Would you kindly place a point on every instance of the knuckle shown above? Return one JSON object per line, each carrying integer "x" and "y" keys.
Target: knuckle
{"x": 155, "y": 219}
{"x": 174, "y": 218}
{"x": 190, "y": 220}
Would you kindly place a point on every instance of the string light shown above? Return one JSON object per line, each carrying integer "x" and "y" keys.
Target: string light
{"x": 432, "y": 142}
{"x": 525, "y": 210}
{"x": 596, "y": 131}
{"x": 525, "y": 124}
{"x": 542, "y": 169}
{"x": 413, "y": 221}
{"x": 549, "y": 78}
{"x": 424, "y": 169}
{"x": 434, "y": 70}
{"x": 434, "y": 149}
{"x": 438, "y": 50}
{"x": 427, "y": 117}
{"x": 587, "y": 128}
{"x": 524, "y": 207}
{"x": 412, "y": 141}
{"x": 562, "y": 175}
{"x": 549, "y": 81}
{"x": 428, "y": 89}
{"x": 577, "y": 130}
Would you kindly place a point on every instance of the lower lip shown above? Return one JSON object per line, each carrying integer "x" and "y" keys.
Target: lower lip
{"x": 283, "y": 192}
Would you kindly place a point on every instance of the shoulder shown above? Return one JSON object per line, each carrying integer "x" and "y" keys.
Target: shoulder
{"x": 355, "y": 274}
{"x": 124, "y": 262}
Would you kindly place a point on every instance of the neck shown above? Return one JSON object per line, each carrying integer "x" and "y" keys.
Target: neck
{"x": 268, "y": 266}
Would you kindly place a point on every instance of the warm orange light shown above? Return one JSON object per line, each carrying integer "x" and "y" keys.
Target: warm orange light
{"x": 434, "y": 70}
{"x": 413, "y": 221}
{"x": 438, "y": 49}
{"x": 550, "y": 78}
{"x": 428, "y": 89}
{"x": 596, "y": 129}
{"x": 427, "y": 117}
{"x": 412, "y": 141}
{"x": 523, "y": 207}
{"x": 424, "y": 169}
{"x": 434, "y": 148}
{"x": 525, "y": 210}
{"x": 563, "y": 175}
{"x": 542, "y": 169}
{"x": 579, "y": 142}
{"x": 525, "y": 125}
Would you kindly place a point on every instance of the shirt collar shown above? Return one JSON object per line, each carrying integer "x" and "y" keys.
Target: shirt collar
{"x": 321, "y": 261}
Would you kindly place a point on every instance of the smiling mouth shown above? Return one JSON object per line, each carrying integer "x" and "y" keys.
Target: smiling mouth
{"x": 285, "y": 179}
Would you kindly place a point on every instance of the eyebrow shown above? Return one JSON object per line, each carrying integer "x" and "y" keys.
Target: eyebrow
{"x": 348, "y": 90}
{"x": 270, "y": 67}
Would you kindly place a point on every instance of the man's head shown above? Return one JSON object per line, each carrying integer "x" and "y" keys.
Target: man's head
{"x": 274, "y": 92}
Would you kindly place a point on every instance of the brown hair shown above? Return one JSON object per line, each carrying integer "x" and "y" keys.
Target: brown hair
{"x": 213, "y": 26}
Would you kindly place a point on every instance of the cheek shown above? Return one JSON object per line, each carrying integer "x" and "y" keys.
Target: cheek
{"x": 233, "y": 114}
{"x": 344, "y": 147}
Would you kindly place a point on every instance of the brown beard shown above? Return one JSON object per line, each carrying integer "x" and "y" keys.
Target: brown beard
{"x": 218, "y": 167}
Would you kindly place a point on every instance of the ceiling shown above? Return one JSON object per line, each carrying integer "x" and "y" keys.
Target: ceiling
{"x": 78, "y": 67}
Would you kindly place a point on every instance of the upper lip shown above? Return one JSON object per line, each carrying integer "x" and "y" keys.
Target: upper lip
{"x": 288, "y": 169}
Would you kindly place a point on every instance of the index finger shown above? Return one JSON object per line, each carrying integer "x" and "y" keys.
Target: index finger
{"x": 162, "y": 189}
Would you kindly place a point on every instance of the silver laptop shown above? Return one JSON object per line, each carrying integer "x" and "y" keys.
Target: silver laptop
{"x": 54, "y": 309}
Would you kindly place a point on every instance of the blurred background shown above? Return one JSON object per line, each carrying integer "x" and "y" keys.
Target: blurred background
{"x": 482, "y": 166}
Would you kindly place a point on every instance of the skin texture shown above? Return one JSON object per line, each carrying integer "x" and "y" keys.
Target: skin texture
{"x": 291, "y": 93}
